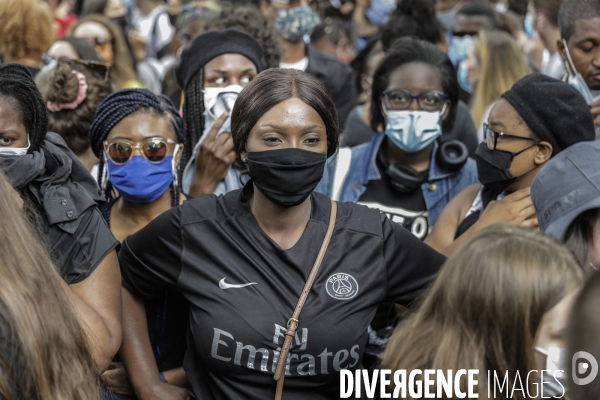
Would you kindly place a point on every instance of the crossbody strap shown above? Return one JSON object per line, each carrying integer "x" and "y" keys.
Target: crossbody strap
{"x": 293, "y": 322}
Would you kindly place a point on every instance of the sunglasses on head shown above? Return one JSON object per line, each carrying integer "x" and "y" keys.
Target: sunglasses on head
{"x": 98, "y": 66}
{"x": 154, "y": 150}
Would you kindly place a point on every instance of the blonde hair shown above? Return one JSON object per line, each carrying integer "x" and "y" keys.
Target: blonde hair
{"x": 501, "y": 64}
{"x": 485, "y": 307}
{"x": 26, "y": 28}
{"x": 45, "y": 354}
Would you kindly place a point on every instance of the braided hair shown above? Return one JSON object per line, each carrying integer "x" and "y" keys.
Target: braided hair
{"x": 114, "y": 108}
{"x": 193, "y": 112}
{"x": 18, "y": 88}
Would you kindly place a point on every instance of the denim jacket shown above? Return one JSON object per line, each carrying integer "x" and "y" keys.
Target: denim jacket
{"x": 439, "y": 189}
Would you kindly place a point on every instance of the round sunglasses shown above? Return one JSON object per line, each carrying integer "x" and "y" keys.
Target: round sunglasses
{"x": 154, "y": 150}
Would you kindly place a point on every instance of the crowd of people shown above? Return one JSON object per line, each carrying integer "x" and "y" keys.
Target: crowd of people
{"x": 189, "y": 188}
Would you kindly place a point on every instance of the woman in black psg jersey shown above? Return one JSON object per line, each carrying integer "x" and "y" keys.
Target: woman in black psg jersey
{"x": 242, "y": 259}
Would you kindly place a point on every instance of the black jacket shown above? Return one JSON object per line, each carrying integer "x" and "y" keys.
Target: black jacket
{"x": 337, "y": 77}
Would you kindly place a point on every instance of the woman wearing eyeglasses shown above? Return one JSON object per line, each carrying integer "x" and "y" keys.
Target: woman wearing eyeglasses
{"x": 138, "y": 138}
{"x": 532, "y": 122}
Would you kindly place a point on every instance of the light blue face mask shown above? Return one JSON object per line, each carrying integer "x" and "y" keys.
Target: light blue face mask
{"x": 575, "y": 79}
{"x": 528, "y": 25}
{"x": 413, "y": 131}
{"x": 15, "y": 151}
{"x": 463, "y": 81}
{"x": 459, "y": 47}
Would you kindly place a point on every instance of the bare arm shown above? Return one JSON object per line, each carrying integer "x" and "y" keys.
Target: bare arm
{"x": 97, "y": 303}
{"x": 138, "y": 358}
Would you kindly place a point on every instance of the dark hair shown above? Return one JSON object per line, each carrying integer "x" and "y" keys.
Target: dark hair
{"x": 572, "y": 10}
{"x": 84, "y": 49}
{"x": 416, "y": 19}
{"x": 114, "y": 108}
{"x": 479, "y": 9}
{"x": 193, "y": 114}
{"x": 272, "y": 87}
{"x": 405, "y": 51}
{"x": 93, "y": 7}
{"x": 360, "y": 62}
{"x": 248, "y": 18}
{"x": 579, "y": 237}
{"x": 519, "y": 7}
{"x": 330, "y": 29}
{"x": 73, "y": 125}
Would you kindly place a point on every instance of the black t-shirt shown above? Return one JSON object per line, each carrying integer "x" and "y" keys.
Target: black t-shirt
{"x": 242, "y": 288}
{"x": 78, "y": 254}
{"x": 407, "y": 209}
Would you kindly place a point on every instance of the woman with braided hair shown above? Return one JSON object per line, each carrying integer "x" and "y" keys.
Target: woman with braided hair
{"x": 137, "y": 136}
{"x": 61, "y": 200}
{"x": 213, "y": 70}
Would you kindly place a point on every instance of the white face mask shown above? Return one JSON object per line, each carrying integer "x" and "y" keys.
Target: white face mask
{"x": 555, "y": 360}
{"x": 218, "y": 100}
{"x": 575, "y": 79}
{"x": 15, "y": 151}
{"x": 412, "y": 131}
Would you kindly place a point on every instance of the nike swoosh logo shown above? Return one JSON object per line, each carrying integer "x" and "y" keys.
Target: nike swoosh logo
{"x": 224, "y": 285}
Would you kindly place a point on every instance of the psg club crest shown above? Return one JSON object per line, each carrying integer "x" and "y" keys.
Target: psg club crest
{"x": 341, "y": 286}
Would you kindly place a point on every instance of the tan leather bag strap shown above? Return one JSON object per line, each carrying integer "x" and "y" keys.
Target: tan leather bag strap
{"x": 293, "y": 322}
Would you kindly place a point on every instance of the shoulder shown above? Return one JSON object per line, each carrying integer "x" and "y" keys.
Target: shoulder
{"x": 210, "y": 207}
{"x": 320, "y": 62}
{"x": 357, "y": 218}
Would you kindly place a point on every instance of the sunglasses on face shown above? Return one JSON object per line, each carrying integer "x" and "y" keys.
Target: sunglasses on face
{"x": 98, "y": 66}
{"x": 154, "y": 150}
{"x": 491, "y": 137}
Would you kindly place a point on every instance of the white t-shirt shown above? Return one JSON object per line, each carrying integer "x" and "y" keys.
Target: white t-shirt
{"x": 155, "y": 28}
{"x": 300, "y": 65}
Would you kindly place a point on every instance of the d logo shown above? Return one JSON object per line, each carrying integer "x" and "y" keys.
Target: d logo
{"x": 580, "y": 367}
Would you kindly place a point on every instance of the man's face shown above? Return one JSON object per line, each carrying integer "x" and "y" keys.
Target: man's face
{"x": 471, "y": 24}
{"x": 584, "y": 48}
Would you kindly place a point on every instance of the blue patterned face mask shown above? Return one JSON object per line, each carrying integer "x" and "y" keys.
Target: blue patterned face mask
{"x": 294, "y": 23}
{"x": 459, "y": 47}
{"x": 463, "y": 81}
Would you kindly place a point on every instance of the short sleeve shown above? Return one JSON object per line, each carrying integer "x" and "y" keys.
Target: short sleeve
{"x": 410, "y": 264}
{"x": 151, "y": 258}
{"x": 78, "y": 254}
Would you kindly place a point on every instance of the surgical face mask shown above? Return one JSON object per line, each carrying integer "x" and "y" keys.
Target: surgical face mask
{"x": 529, "y": 26}
{"x": 140, "y": 181}
{"x": 459, "y": 48}
{"x": 295, "y": 23}
{"x": 286, "y": 176}
{"x": 413, "y": 131}
{"x": 15, "y": 151}
{"x": 575, "y": 79}
{"x": 555, "y": 368}
{"x": 217, "y": 101}
{"x": 463, "y": 73}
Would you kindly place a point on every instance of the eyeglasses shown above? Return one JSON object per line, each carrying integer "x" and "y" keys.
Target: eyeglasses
{"x": 401, "y": 99}
{"x": 491, "y": 137}
{"x": 154, "y": 149}
{"x": 100, "y": 67}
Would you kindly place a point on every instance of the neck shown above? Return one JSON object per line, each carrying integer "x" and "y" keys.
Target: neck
{"x": 292, "y": 52}
{"x": 142, "y": 213}
{"x": 88, "y": 158}
{"x": 524, "y": 181}
{"x": 418, "y": 161}
{"x": 274, "y": 219}
{"x": 550, "y": 37}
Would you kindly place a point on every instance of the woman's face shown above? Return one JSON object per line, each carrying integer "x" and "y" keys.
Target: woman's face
{"x": 472, "y": 66}
{"x": 291, "y": 124}
{"x": 100, "y": 37}
{"x": 552, "y": 329}
{"x": 229, "y": 69}
{"x": 504, "y": 118}
{"x": 138, "y": 127}
{"x": 61, "y": 49}
{"x": 418, "y": 78}
{"x": 114, "y": 9}
{"x": 12, "y": 129}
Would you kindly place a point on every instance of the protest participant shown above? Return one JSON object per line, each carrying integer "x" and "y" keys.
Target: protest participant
{"x": 249, "y": 254}
{"x": 544, "y": 21}
{"x": 60, "y": 199}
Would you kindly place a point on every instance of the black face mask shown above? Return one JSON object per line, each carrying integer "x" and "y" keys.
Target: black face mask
{"x": 493, "y": 167}
{"x": 286, "y": 176}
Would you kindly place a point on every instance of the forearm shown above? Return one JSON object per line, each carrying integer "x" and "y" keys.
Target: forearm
{"x": 177, "y": 377}
{"x": 103, "y": 344}
{"x": 136, "y": 350}
{"x": 201, "y": 186}
{"x": 449, "y": 250}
